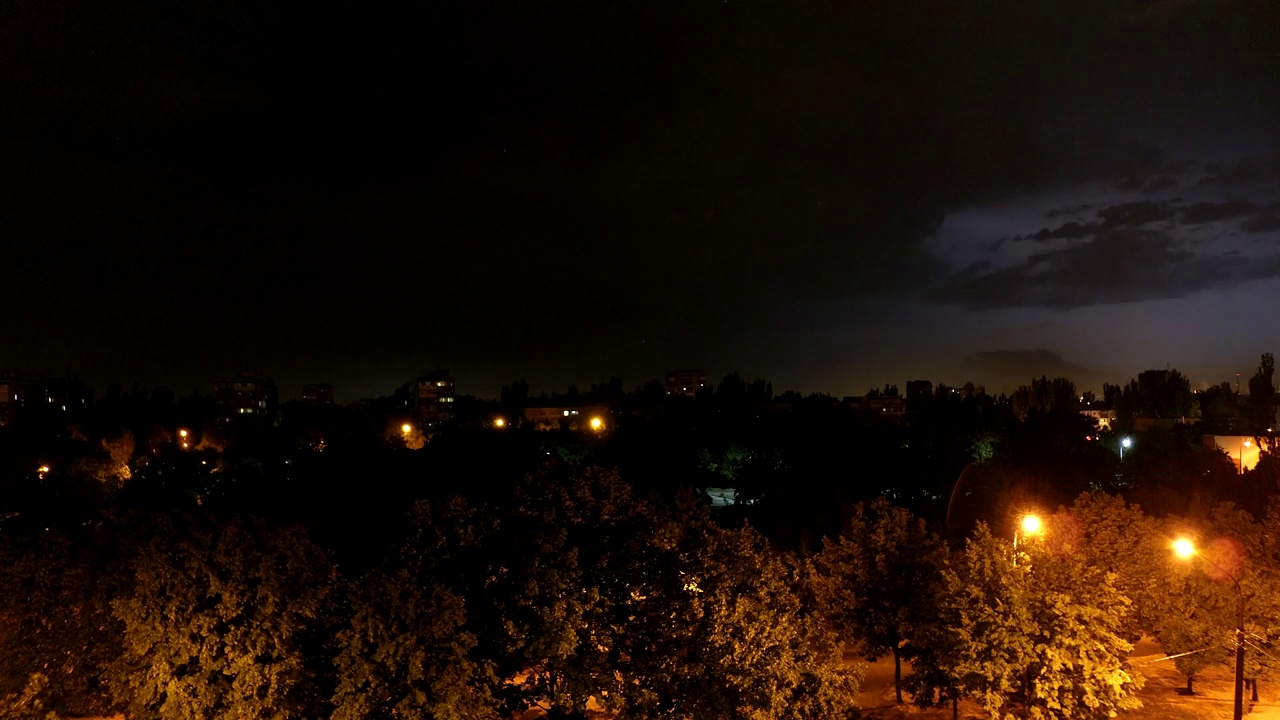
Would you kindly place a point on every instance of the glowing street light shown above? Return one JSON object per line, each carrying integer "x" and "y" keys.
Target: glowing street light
{"x": 1029, "y": 526}
{"x": 183, "y": 433}
{"x": 1243, "y": 445}
{"x": 1184, "y": 549}
{"x": 42, "y": 471}
{"x": 499, "y": 422}
{"x": 1124, "y": 443}
{"x": 406, "y": 428}
{"x": 596, "y": 423}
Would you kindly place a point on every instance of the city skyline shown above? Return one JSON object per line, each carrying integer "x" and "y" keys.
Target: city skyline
{"x": 297, "y": 391}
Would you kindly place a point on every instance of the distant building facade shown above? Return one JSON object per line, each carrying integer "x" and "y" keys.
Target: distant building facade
{"x": 1102, "y": 418}
{"x": 686, "y": 382}
{"x": 430, "y": 398}
{"x": 887, "y": 406}
{"x": 41, "y": 394}
{"x": 567, "y": 418}
{"x": 248, "y": 395}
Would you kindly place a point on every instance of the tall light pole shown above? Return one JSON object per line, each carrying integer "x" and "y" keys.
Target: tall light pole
{"x": 1124, "y": 443}
{"x": 1029, "y": 525}
{"x": 1185, "y": 549}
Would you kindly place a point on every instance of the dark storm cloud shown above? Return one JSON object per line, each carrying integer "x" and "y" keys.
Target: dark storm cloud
{"x": 1121, "y": 266}
{"x": 1008, "y": 368}
{"x": 1248, "y": 171}
{"x": 1070, "y": 231}
{"x": 1135, "y": 214}
{"x": 1207, "y": 212}
{"x": 1159, "y": 183}
{"x": 554, "y": 184}
{"x": 1130, "y": 184}
{"x": 1261, "y": 224}
{"x": 1067, "y": 210}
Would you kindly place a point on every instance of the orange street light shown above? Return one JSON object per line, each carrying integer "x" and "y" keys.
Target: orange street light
{"x": 1185, "y": 550}
{"x": 406, "y": 428}
{"x": 1029, "y": 526}
{"x": 499, "y": 423}
{"x": 183, "y": 433}
{"x": 596, "y": 423}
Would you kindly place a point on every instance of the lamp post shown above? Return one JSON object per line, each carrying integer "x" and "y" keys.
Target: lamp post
{"x": 1185, "y": 549}
{"x": 1124, "y": 443}
{"x": 1029, "y": 525}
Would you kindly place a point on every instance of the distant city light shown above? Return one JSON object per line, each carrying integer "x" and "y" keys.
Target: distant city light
{"x": 406, "y": 428}
{"x": 499, "y": 423}
{"x": 596, "y": 423}
{"x": 182, "y": 433}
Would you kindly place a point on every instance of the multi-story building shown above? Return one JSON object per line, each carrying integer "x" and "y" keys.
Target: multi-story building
{"x": 429, "y": 399}
{"x": 686, "y": 382}
{"x": 248, "y": 395}
{"x": 42, "y": 395}
{"x": 11, "y": 391}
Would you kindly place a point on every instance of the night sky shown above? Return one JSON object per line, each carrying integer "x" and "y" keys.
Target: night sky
{"x": 833, "y": 195}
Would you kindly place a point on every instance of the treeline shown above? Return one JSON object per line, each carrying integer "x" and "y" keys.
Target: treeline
{"x": 577, "y": 591}
{"x": 574, "y": 589}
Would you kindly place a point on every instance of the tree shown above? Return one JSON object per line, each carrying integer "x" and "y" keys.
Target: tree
{"x": 580, "y": 590}
{"x": 55, "y": 618}
{"x": 881, "y": 576}
{"x": 718, "y": 629}
{"x": 405, "y": 654}
{"x": 32, "y": 702}
{"x": 1219, "y": 409}
{"x": 218, "y": 620}
{"x": 1045, "y": 633}
{"x": 1262, "y": 396}
{"x": 1045, "y": 396}
{"x": 1106, "y": 533}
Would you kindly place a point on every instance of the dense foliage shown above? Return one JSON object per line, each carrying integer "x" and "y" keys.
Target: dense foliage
{"x": 251, "y": 573}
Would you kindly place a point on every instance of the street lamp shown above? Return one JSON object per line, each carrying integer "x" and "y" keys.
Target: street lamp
{"x": 1124, "y": 443}
{"x": 406, "y": 428}
{"x": 1243, "y": 445}
{"x": 596, "y": 423}
{"x": 499, "y": 422}
{"x": 1185, "y": 550}
{"x": 1029, "y": 526}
